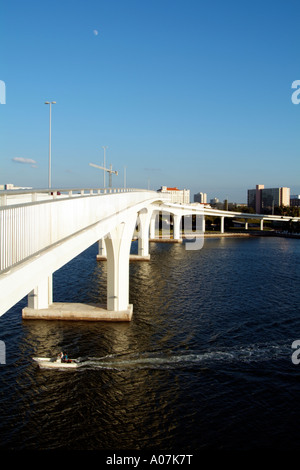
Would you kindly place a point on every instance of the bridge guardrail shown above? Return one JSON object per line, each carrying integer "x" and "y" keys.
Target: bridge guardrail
{"x": 34, "y": 195}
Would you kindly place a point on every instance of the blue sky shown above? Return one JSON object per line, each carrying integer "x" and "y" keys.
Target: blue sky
{"x": 188, "y": 93}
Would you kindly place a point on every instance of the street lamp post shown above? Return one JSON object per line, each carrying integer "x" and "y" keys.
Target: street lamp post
{"x": 104, "y": 148}
{"x": 49, "y": 178}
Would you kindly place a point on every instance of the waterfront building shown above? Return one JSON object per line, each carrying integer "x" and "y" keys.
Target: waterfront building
{"x": 181, "y": 196}
{"x": 263, "y": 200}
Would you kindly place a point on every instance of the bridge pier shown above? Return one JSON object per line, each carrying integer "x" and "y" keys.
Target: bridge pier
{"x": 144, "y": 220}
{"x": 41, "y": 296}
{"x": 222, "y": 224}
{"x": 177, "y": 226}
{"x": 118, "y": 249}
{"x": 76, "y": 312}
{"x": 152, "y": 225}
{"x": 102, "y": 252}
{"x": 117, "y": 246}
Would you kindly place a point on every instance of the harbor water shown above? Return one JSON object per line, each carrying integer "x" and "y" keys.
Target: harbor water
{"x": 205, "y": 364}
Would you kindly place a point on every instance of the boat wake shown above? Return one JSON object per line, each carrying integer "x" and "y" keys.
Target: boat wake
{"x": 186, "y": 360}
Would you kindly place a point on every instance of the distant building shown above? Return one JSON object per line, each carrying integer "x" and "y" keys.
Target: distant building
{"x": 263, "y": 200}
{"x": 11, "y": 186}
{"x": 214, "y": 201}
{"x": 295, "y": 200}
{"x": 200, "y": 197}
{"x": 182, "y": 196}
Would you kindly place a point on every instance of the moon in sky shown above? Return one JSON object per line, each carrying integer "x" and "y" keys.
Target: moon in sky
{"x": 96, "y": 32}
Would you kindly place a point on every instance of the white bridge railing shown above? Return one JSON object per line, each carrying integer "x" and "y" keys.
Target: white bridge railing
{"x": 32, "y": 195}
{"x": 26, "y": 228}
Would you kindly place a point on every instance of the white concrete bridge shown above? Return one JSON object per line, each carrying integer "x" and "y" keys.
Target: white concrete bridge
{"x": 40, "y": 231}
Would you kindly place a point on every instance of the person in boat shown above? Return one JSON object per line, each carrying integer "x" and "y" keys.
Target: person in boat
{"x": 64, "y": 357}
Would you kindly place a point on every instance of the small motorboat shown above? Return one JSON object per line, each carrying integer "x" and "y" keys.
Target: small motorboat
{"x": 55, "y": 363}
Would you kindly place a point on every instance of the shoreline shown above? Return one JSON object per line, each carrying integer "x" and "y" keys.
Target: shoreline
{"x": 188, "y": 236}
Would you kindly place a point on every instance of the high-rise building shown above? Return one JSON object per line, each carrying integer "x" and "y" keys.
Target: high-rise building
{"x": 263, "y": 200}
{"x": 251, "y": 200}
{"x": 295, "y": 200}
{"x": 200, "y": 197}
{"x": 181, "y": 196}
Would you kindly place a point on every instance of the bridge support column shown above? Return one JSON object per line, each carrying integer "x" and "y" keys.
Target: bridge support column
{"x": 41, "y": 296}
{"x": 176, "y": 227}
{"x": 203, "y": 224}
{"x": 222, "y": 224}
{"x": 102, "y": 253}
{"x": 143, "y": 234}
{"x": 152, "y": 226}
{"x": 118, "y": 250}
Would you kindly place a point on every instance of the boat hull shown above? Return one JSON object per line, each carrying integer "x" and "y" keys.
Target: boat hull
{"x": 50, "y": 363}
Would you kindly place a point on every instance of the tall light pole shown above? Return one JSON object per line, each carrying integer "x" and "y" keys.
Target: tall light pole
{"x": 49, "y": 178}
{"x": 104, "y": 148}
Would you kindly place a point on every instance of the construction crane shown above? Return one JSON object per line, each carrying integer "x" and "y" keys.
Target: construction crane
{"x": 109, "y": 170}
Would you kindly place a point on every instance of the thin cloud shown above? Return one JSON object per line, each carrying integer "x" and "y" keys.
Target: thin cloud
{"x": 26, "y": 161}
